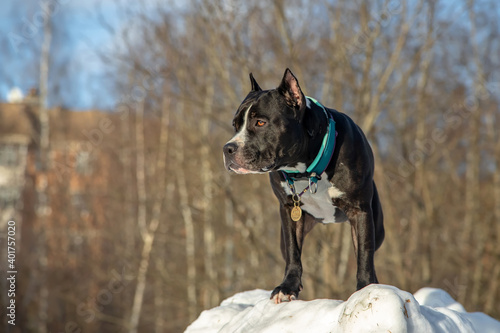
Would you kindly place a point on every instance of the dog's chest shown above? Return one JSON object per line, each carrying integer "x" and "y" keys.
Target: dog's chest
{"x": 319, "y": 204}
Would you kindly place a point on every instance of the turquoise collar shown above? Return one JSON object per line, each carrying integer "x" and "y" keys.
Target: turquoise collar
{"x": 320, "y": 163}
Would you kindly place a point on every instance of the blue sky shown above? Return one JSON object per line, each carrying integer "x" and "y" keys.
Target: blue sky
{"x": 79, "y": 35}
{"x": 80, "y": 78}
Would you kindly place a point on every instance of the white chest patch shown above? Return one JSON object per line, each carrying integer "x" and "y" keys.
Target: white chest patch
{"x": 319, "y": 204}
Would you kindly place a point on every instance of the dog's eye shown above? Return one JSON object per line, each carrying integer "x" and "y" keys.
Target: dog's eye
{"x": 260, "y": 123}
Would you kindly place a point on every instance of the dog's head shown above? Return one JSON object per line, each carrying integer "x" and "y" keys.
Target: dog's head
{"x": 268, "y": 126}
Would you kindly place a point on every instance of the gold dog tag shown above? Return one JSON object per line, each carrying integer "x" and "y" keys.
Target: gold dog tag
{"x": 296, "y": 213}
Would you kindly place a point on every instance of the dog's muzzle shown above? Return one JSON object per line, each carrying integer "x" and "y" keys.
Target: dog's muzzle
{"x": 229, "y": 153}
{"x": 232, "y": 163}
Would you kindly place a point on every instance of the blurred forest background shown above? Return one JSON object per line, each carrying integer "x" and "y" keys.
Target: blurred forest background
{"x": 126, "y": 219}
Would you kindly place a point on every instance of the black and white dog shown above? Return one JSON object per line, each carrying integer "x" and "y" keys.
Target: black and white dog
{"x": 321, "y": 170}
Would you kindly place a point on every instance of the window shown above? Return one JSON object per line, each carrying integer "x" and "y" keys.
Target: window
{"x": 8, "y": 197}
{"x": 83, "y": 163}
{"x": 42, "y": 206}
{"x": 9, "y": 155}
{"x": 79, "y": 203}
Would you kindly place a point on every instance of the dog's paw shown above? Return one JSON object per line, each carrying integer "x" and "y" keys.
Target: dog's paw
{"x": 284, "y": 293}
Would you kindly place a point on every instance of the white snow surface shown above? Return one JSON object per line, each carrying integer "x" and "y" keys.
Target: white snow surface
{"x": 375, "y": 308}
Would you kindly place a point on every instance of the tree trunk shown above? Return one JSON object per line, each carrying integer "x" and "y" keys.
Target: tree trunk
{"x": 141, "y": 219}
{"x": 284, "y": 31}
{"x": 423, "y": 217}
{"x": 212, "y": 290}
{"x": 345, "y": 251}
{"x": 374, "y": 108}
{"x": 148, "y": 232}
{"x": 128, "y": 180}
{"x": 43, "y": 302}
{"x": 365, "y": 88}
{"x": 229, "y": 243}
{"x": 472, "y": 219}
{"x": 187, "y": 216}
{"x": 141, "y": 282}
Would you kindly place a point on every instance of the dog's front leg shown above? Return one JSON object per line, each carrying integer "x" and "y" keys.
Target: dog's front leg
{"x": 292, "y": 237}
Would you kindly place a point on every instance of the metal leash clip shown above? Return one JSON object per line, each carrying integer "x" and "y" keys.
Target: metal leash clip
{"x": 313, "y": 183}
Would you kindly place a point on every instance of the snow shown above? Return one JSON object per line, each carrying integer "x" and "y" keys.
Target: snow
{"x": 376, "y": 308}
{"x": 15, "y": 95}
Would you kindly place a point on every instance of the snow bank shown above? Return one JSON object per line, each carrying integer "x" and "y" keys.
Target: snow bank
{"x": 376, "y": 308}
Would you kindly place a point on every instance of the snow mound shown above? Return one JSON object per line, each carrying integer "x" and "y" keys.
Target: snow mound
{"x": 376, "y": 308}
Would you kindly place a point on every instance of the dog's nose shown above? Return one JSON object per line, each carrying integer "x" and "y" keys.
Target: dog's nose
{"x": 230, "y": 148}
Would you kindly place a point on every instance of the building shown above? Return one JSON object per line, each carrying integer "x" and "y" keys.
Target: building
{"x": 77, "y": 141}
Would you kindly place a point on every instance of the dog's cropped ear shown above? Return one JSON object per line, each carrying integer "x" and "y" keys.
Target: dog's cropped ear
{"x": 255, "y": 85}
{"x": 290, "y": 88}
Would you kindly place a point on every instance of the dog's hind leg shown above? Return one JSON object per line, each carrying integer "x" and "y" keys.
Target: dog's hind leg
{"x": 363, "y": 237}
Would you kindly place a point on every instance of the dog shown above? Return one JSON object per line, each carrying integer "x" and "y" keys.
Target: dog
{"x": 320, "y": 166}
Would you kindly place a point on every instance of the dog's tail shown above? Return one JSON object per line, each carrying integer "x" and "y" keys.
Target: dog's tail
{"x": 378, "y": 218}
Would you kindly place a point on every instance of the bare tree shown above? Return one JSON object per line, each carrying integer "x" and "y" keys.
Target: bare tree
{"x": 402, "y": 70}
{"x": 187, "y": 216}
{"x": 43, "y": 303}
{"x": 472, "y": 193}
{"x": 148, "y": 230}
